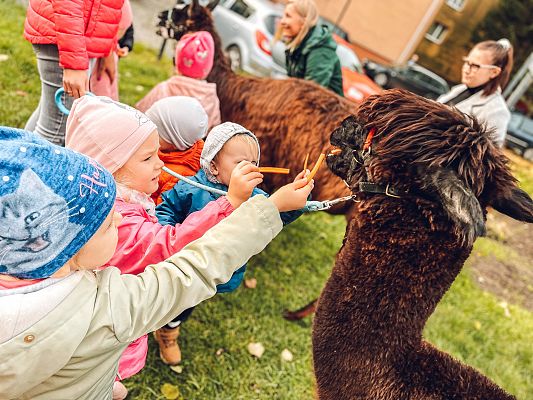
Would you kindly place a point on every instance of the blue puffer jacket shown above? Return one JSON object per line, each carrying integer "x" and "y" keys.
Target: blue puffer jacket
{"x": 184, "y": 199}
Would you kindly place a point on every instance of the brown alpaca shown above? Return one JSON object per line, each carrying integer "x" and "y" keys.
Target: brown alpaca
{"x": 401, "y": 254}
{"x": 290, "y": 117}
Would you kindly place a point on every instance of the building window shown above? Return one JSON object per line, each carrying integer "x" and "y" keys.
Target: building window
{"x": 436, "y": 33}
{"x": 457, "y": 5}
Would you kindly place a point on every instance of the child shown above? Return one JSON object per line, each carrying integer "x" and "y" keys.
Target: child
{"x": 64, "y": 323}
{"x": 194, "y": 60}
{"x": 67, "y": 36}
{"x": 225, "y": 146}
{"x": 181, "y": 123}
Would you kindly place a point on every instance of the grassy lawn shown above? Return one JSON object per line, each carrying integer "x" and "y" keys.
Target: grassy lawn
{"x": 469, "y": 323}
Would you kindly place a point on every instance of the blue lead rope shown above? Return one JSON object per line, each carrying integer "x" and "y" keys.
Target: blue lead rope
{"x": 309, "y": 206}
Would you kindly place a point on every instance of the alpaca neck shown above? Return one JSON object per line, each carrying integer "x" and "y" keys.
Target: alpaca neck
{"x": 392, "y": 271}
{"x": 221, "y": 71}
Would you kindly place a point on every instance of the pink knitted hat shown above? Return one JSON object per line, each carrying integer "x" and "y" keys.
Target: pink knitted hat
{"x": 106, "y": 130}
{"x": 194, "y": 55}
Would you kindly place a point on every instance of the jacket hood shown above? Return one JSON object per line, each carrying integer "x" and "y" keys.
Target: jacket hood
{"x": 192, "y": 87}
{"x": 318, "y": 36}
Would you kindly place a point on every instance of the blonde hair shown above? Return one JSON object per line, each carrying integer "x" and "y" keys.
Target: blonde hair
{"x": 308, "y": 11}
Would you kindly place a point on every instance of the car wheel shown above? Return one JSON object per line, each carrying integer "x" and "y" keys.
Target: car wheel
{"x": 528, "y": 154}
{"x": 235, "y": 60}
{"x": 381, "y": 79}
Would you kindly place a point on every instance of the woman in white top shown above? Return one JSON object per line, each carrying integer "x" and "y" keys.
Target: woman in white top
{"x": 485, "y": 72}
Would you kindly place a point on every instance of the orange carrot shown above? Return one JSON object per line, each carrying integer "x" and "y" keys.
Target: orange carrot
{"x": 274, "y": 170}
{"x": 305, "y": 162}
{"x": 316, "y": 167}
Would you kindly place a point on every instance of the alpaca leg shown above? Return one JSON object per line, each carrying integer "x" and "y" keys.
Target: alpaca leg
{"x": 302, "y": 312}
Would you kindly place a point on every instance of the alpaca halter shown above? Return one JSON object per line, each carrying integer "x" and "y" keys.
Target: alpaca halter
{"x": 372, "y": 187}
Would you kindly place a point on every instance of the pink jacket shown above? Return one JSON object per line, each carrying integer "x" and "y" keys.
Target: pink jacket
{"x": 178, "y": 85}
{"x": 143, "y": 241}
{"x": 81, "y": 29}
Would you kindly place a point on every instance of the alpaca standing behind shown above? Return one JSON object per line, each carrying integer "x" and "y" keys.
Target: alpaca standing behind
{"x": 290, "y": 117}
{"x": 424, "y": 179}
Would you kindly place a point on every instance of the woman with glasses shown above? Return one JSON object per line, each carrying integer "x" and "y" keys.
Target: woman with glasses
{"x": 485, "y": 72}
{"x": 311, "y": 50}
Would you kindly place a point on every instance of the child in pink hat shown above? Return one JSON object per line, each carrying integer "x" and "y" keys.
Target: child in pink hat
{"x": 194, "y": 60}
{"x": 126, "y": 142}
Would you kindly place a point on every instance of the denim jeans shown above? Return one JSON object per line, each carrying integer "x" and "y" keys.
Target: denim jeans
{"x": 47, "y": 120}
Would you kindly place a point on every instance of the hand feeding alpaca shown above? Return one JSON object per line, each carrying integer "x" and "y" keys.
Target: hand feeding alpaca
{"x": 423, "y": 186}
{"x": 290, "y": 117}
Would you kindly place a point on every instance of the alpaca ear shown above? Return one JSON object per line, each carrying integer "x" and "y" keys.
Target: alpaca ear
{"x": 212, "y": 4}
{"x": 194, "y": 8}
{"x": 515, "y": 203}
{"x": 458, "y": 201}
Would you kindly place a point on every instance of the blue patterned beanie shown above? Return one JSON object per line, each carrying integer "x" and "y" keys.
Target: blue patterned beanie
{"x": 52, "y": 201}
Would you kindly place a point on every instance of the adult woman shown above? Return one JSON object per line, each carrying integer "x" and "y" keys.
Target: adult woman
{"x": 485, "y": 72}
{"x": 66, "y": 35}
{"x": 310, "y": 47}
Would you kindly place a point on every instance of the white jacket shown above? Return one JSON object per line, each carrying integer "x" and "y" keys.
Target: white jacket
{"x": 491, "y": 109}
{"x": 62, "y": 338}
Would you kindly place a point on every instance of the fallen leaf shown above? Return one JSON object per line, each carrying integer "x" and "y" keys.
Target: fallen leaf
{"x": 477, "y": 325}
{"x": 286, "y": 355}
{"x": 250, "y": 283}
{"x": 219, "y": 352}
{"x": 505, "y": 307}
{"x": 178, "y": 369}
{"x": 170, "y": 392}
{"x": 4, "y": 57}
{"x": 256, "y": 349}
{"x": 139, "y": 88}
{"x": 21, "y": 93}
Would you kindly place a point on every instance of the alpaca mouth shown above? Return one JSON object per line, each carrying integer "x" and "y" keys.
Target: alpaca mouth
{"x": 38, "y": 244}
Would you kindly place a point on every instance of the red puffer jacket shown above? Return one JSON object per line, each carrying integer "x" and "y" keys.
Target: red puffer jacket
{"x": 81, "y": 29}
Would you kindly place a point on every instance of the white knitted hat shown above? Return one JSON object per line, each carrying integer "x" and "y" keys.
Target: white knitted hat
{"x": 216, "y": 139}
{"x": 180, "y": 120}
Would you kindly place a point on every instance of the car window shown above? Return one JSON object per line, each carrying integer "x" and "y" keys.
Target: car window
{"x": 242, "y": 8}
{"x": 527, "y": 125}
{"x": 271, "y": 23}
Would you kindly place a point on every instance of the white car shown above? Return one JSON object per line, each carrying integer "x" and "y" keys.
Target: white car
{"x": 246, "y": 28}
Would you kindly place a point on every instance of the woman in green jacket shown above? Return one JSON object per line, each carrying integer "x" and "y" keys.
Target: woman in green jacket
{"x": 311, "y": 49}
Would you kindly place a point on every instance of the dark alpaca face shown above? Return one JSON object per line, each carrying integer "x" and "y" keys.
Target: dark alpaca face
{"x": 349, "y": 138}
{"x": 187, "y": 16}
{"x": 430, "y": 150}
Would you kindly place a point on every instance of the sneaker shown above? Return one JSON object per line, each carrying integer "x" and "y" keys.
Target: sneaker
{"x": 119, "y": 391}
{"x": 169, "y": 351}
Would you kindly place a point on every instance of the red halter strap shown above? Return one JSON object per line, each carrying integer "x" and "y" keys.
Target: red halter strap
{"x": 368, "y": 141}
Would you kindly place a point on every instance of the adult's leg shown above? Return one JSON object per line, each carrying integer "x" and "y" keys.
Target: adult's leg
{"x": 50, "y": 122}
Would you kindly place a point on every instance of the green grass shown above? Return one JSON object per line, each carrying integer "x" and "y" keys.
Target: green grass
{"x": 468, "y": 323}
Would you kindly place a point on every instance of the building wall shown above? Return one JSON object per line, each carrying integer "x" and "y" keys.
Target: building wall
{"x": 445, "y": 58}
{"x": 385, "y": 30}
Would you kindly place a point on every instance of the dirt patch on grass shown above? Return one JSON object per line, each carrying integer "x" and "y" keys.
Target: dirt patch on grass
{"x": 508, "y": 277}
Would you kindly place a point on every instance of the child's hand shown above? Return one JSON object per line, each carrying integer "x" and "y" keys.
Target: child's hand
{"x": 244, "y": 178}
{"x": 123, "y": 51}
{"x": 294, "y": 195}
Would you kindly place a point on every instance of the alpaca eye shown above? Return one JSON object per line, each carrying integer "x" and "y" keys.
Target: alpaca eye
{"x": 32, "y": 217}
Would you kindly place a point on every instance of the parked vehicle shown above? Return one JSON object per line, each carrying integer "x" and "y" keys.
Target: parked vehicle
{"x": 410, "y": 76}
{"x": 246, "y": 28}
{"x": 520, "y": 135}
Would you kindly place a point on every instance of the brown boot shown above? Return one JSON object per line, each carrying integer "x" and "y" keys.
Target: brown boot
{"x": 169, "y": 351}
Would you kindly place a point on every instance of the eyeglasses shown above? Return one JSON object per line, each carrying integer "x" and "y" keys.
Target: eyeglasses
{"x": 475, "y": 67}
